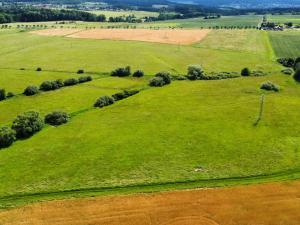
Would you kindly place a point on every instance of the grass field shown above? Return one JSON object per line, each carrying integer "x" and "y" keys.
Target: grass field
{"x": 281, "y": 19}
{"x": 29, "y": 51}
{"x": 286, "y": 44}
{"x": 187, "y": 134}
{"x": 137, "y": 14}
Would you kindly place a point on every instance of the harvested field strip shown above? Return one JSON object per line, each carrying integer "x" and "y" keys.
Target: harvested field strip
{"x": 183, "y": 37}
{"x": 276, "y": 203}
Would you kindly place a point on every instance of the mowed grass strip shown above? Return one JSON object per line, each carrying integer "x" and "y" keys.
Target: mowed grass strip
{"x": 181, "y": 132}
{"x": 286, "y": 44}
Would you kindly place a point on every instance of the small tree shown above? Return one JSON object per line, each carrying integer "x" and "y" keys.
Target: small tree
{"x": 80, "y": 71}
{"x": 138, "y": 73}
{"x": 31, "y": 90}
{"x": 297, "y": 76}
{"x": 56, "y": 118}
{"x": 39, "y": 69}
{"x": 104, "y": 101}
{"x": 2, "y": 94}
{"x": 195, "y": 72}
{"x": 7, "y": 136}
{"x": 245, "y": 72}
{"x": 27, "y": 124}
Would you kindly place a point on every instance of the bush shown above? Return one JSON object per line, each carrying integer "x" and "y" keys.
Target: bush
{"x": 165, "y": 76}
{"x": 57, "y": 84}
{"x": 245, "y": 72}
{"x": 297, "y": 75}
{"x": 10, "y": 95}
{"x": 138, "y": 73}
{"x": 156, "y": 82}
{"x": 80, "y": 71}
{"x": 195, "y": 72}
{"x": 121, "y": 72}
{"x": 56, "y": 118}
{"x": 39, "y": 69}
{"x": 70, "y": 82}
{"x": 7, "y": 136}
{"x": 2, "y": 94}
{"x": 46, "y": 86}
{"x": 269, "y": 86}
{"x": 85, "y": 79}
{"x": 124, "y": 94}
{"x": 258, "y": 73}
{"x": 31, "y": 90}
{"x": 179, "y": 77}
{"x": 104, "y": 101}
{"x": 287, "y": 62}
{"x": 287, "y": 71}
{"x": 27, "y": 124}
{"x": 222, "y": 75}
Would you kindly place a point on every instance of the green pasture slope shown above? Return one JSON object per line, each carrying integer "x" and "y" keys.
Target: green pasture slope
{"x": 281, "y": 19}
{"x": 286, "y": 43}
{"x": 187, "y": 134}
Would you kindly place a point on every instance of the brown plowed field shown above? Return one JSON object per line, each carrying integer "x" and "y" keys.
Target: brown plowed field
{"x": 272, "y": 204}
{"x": 167, "y": 36}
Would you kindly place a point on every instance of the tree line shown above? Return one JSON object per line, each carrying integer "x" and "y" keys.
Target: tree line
{"x": 33, "y": 14}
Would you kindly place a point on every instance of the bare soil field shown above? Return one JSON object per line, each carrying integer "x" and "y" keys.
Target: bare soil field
{"x": 182, "y": 37}
{"x": 55, "y": 32}
{"x": 277, "y": 203}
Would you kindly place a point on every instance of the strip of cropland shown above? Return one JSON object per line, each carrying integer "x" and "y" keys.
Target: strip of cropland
{"x": 266, "y": 204}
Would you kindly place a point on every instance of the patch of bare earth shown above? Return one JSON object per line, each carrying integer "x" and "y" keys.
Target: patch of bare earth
{"x": 266, "y": 204}
{"x": 167, "y": 36}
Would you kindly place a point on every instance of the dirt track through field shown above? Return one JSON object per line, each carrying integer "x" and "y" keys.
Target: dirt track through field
{"x": 266, "y": 204}
{"x": 167, "y": 36}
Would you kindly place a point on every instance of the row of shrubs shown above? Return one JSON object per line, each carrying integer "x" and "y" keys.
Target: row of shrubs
{"x": 195, "y": 72}
{"x": 290, "y": 62}
{"x": 125, "y": 72}
{"x": 56, "y": 84}
{"x": 27, "y": 124}
{"x": 109, "y": 100}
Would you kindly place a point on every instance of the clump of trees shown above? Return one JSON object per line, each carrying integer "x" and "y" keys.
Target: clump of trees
{"x": 246, "y": 72}
{"x": 138, "y": 73}
{"x": 57, "y": 118}
{"x": 269, "y": 86}
{"x": 104, "y": 101}
{"x": 195, "y": 72}
{"x": 27, "y": 124}
{"x": 160, "y": 79}
{"x": 297, "y": 75}
{"x": 2, "y": 94}
{"x": 31, "y": 90}
{"x": 121, "y": 72}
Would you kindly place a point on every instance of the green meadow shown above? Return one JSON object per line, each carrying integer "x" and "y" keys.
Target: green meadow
{"x": 286, "y": 44}
{"x": 186, "y": 134}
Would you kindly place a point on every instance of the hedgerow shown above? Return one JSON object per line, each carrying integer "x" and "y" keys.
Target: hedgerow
{"x": 56, "y": 118}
